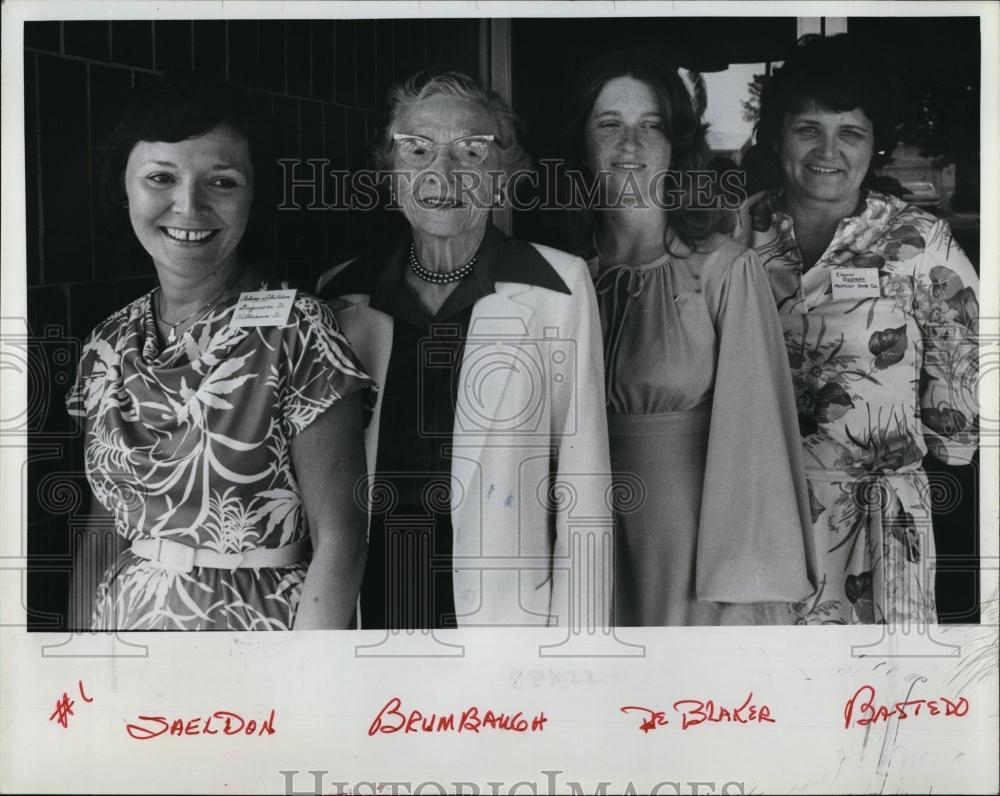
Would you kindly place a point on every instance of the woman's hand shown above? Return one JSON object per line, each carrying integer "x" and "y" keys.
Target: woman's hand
{"x": 743, "y": 231}
{"x": 328, "y": 459}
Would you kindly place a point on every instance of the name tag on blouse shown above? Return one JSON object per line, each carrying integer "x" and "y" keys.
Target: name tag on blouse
{"x": 263, "y": 308}
{"x": 854, "y": 283}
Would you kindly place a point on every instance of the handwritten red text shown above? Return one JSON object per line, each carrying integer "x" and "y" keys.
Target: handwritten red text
{"x": 392, "y": 719}
{"x": 64, "y": 706}
{"x": 651, "y": 719}
{"x": 861, "y": 709}
{"x": 693, "y": 712}
{"x": 222, "y": 722}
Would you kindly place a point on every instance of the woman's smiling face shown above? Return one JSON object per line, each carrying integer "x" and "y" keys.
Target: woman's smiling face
{"x": 625, "y": 138}
{"x": 825, "y": 154}
{"x": 189, "y": 201}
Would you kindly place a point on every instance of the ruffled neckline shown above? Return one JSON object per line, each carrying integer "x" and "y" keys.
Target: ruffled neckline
{"x": 677, "y": 250}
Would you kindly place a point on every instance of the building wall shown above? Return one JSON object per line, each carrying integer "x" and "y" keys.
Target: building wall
{"x": 322, "y": 83}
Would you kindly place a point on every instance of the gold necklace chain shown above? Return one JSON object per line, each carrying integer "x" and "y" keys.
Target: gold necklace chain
{"x": 172, "y": 335}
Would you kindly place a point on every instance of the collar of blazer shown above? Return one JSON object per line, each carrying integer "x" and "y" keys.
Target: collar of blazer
{"x": 501, "y": 260}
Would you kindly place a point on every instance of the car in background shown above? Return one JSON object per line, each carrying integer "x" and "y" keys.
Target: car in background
{"x": 922, "y": 194}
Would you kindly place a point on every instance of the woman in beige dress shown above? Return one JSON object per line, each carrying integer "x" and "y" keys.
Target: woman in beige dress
{"x": 701, "y": 412}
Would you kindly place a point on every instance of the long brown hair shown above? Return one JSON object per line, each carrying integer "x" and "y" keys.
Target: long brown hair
{"x": 683, "y": 127}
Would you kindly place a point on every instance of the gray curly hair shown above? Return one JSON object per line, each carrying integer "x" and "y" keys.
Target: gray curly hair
{"x": 434, "y": 82}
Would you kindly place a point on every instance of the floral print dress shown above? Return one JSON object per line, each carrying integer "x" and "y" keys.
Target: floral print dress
{"x": 192, "y": 443}
{"x": 880, "y": 380}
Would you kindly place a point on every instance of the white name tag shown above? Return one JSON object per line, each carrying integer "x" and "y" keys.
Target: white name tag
{"x": 855, "y": 283}
{"x": 263, "y": 308}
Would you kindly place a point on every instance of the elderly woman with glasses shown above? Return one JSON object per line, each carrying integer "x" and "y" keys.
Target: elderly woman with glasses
{"x": 489, "y": 436}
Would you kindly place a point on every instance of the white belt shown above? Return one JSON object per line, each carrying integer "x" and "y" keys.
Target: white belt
{"x": 173, "y": 555}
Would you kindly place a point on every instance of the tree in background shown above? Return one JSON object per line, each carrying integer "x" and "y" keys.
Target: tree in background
{"x": 751, "y": 105}
{"x": 699, "y": 92}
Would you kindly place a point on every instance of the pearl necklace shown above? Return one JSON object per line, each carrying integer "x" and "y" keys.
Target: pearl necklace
{"x": 433, "y": 276}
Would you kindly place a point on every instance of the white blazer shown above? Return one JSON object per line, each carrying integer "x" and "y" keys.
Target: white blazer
{"x": 531, "y": 485}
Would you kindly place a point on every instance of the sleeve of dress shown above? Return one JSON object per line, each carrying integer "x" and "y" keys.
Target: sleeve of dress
{"x": 76, "y": 398}
{"x": 755, "y": 535}
{"x": 946, "y": 306}
{"x": 321, "y": 367}
{"x": 97, "y": 359}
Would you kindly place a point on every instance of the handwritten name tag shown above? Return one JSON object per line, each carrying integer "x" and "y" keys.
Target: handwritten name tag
{"x": 854, "y": 283}
{"x": 263, "y": 308}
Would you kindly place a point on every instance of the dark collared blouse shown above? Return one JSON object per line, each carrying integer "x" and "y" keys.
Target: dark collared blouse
{"x": 408, "y": 577}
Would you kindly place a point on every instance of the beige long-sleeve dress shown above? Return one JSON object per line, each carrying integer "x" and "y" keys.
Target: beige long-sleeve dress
{"x": 712, "y": 514}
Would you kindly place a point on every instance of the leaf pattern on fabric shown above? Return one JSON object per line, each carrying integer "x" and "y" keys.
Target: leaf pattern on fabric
{"x": 192, "y": 443}
{"x": 888, "y": 346}
{"x": 817, "y": 611}
{"x": 879, "y": 383}
{"x": 945, "y": 420}
{"x": 965, "y": 305}
{"x": 860, "y": 594}
{"x": 815, "y": 507}
{"x": 903, "y": 242}
{"x": 821, "y": 382}
{"x": 903, "y": 529}
{"x": 865, "y": 260}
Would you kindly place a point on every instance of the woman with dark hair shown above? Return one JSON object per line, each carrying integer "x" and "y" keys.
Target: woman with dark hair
{"x": 222, "y": 417}
{"x": 698, "y": 393}
{"x": 880, "y": 315}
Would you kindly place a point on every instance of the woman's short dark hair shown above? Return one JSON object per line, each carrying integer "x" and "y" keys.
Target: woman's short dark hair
{"x": 176, "y": 107}
{"x": 838, "y": 73}
{"x": 682, "y": 125}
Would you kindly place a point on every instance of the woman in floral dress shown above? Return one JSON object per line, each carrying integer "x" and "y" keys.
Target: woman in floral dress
{"x": 225, "y": 452}
{"x": 880, "y": 314}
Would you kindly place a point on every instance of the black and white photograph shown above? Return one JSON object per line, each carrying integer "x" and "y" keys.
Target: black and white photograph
{"x": 617, "y": 376}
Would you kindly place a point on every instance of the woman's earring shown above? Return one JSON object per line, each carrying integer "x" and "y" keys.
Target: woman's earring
{"x": 499, "y": 199}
